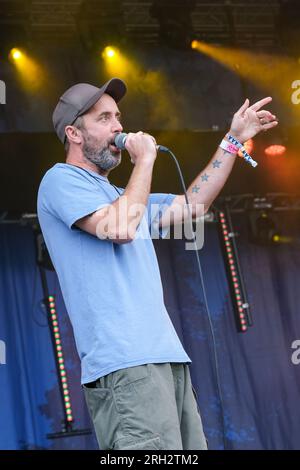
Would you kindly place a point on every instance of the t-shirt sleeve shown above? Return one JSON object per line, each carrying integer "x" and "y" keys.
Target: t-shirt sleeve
{"x": 157, "y": 204}
{"x": 70, "y": 195}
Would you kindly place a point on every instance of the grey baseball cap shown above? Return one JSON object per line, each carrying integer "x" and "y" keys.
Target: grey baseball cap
{"x": 79, "y": 98}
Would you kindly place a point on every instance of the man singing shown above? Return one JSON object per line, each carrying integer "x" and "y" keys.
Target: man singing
{"x": 135, "y": 372}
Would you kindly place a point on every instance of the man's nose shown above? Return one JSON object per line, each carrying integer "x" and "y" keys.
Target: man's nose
{"x": 117, "y": 126}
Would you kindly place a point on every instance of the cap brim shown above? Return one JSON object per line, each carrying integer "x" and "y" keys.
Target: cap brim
{"x": 115, "y": 87}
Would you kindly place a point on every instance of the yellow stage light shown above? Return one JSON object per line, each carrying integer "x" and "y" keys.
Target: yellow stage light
{"x": 109, "y": 52}
{"x": 16, "y": 54}
{"x": 273, "y": 73}
{"x": 29, "y": 70}
{"x": 116, "y": 63}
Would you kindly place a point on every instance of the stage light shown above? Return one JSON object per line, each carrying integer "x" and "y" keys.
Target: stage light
{"x": 241, "y": 307}
{"x": 273, "y": 73}
{"x": 117, "y": 64}
{"x": 15, "y": 53}
{"x": 32, "y": 77}
{"x": 284, "y": 239}
{"x": 275, "y": 150}
{"x": 109, "y": 52}
{"x": 263, "y": 227}
{"x": 59, "y": 357}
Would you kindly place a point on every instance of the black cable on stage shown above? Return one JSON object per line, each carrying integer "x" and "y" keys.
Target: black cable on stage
{"x": 167, "y": 150}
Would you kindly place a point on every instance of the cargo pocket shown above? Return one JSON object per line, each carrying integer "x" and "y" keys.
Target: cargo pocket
{"x": 102, "y": 412}
{"x": 96, "y": 398}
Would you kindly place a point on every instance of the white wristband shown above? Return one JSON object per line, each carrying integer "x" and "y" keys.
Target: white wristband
{"x": 228, "y": 147}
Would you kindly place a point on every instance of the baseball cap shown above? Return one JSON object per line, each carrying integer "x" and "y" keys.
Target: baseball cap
{"x": 79, "y": 98}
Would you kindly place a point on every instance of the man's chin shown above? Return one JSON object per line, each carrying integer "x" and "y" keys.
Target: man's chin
{"x": 107, "y": 160}
{"x": 116, "y": 158}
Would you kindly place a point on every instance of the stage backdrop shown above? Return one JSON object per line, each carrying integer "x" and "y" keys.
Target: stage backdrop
{"x": 259, "y": 383}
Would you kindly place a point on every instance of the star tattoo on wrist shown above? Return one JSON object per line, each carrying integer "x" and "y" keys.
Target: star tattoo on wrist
{"x": 205, "y": 177}
{"x": 216, "y": 164}
{"x": 195, "y": 189}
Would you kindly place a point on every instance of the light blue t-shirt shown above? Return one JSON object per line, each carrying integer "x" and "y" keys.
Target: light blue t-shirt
{"x": 112, "y": 292}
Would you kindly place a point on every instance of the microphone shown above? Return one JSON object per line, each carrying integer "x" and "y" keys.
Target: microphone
{"x": 120, "y": 141}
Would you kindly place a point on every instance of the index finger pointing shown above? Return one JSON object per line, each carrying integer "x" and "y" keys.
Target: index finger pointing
{"x": 259, "y": 104}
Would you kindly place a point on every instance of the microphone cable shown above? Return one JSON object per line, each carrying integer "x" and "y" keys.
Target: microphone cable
{"x": 216, "y": 362}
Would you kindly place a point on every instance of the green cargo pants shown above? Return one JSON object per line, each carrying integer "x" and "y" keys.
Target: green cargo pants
{"x": 146, "y": 407}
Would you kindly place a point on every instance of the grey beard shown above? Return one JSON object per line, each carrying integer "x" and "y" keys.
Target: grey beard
{"x": 102, "y": 158}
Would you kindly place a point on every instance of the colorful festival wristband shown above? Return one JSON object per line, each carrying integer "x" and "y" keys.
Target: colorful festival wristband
{"x": 240, "y": 146}
{"x": 228, "y": 147}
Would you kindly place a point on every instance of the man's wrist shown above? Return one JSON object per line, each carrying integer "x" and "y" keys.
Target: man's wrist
{"x": 146, "y": 161}
{"x": 241, "y": 149}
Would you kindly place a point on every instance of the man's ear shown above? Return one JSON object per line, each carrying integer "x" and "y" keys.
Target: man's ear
{"x": 74, "y": 134}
